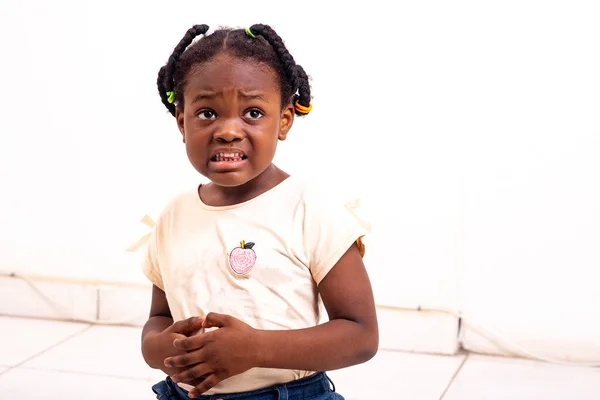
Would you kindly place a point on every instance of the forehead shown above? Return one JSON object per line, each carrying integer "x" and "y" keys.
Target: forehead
{"x": 226, "y": 73}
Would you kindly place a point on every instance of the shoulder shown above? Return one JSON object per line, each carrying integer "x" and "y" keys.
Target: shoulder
{"x": 178, "y": 204}
{"x": 326, "y": 204}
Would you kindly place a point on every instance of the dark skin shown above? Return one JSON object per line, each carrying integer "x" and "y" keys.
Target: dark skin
{"x": 160, "y": 332}
{"x": 237, "y": 104}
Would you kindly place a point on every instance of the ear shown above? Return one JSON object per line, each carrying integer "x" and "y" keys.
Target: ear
{"x": 286, "y": 121}
{"x": 179, "y": 118}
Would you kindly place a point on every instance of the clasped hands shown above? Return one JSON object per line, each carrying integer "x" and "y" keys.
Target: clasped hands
{"x": 212, "y": 356}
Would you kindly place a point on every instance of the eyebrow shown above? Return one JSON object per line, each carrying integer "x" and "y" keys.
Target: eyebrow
{"x": 247, "y": 96}
{"x": 253, "y": 96}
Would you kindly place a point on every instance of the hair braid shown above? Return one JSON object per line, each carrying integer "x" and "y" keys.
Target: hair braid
{"x": 165, "y": 75}
{"x": 162, "y": 90}
{"x": 295, "y": 73}
{"x": 303, "y": 87}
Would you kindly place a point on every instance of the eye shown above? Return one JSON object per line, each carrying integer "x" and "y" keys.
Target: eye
{"x": 253, "y": 114}
{"x": 206, "y": 114}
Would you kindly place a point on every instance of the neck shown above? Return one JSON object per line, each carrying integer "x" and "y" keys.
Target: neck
{"x": 215, "y": 195}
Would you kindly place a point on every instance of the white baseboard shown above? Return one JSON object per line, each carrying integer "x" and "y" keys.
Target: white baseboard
{"x": 400, "y": 329}
{"x": 417, "y": 331}
{"x": 48, "y": 300}
{"x": 71, "y": 301}
{"x": 523, "y": 344}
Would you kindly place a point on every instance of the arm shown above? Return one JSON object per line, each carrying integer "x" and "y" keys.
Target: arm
{"x": 350, "y": 337}
{"x": 159, "y": 333}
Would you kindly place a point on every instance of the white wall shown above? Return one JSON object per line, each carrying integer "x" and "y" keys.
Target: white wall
{"x": 532, "y": 181}
{"x": 469, "y": 130}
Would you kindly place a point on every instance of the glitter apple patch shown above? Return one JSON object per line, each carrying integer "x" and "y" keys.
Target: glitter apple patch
{"x": 242, "y": 258}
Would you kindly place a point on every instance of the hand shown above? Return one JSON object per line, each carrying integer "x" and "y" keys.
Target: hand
{"x": 216, "y": 355}
{"x": 160, "y": 343}
{"x": 178, "y": 330}
{"x": 184, "y": 328}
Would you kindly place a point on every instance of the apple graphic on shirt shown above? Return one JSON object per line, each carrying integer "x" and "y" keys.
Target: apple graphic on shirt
{"x": 243, "y": 258}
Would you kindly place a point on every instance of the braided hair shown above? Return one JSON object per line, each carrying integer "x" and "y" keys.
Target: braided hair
{"x": 259, "y": 43}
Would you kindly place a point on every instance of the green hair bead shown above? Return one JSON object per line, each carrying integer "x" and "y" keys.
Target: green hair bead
{"x": 171, "y": 97}
{"x": 249, "y": 33}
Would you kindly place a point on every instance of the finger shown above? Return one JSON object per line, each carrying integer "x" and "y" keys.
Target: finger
{"x": 195, "y": 382}
{"x": 194, "y": 342}
{"x": 186, "y": 326}
{"x": 214, "y": 320}
{"x": 198, "y": 371}
{"x": 206, "y": 385}
{"x": 184, "y": 360}
{"x": 189, "y": 343}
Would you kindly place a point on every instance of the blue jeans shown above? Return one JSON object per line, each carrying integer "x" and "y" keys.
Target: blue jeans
{"x": 314, "y": 387}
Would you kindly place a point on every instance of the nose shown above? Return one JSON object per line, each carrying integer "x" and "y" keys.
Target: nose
{"x": 229, "y": 131}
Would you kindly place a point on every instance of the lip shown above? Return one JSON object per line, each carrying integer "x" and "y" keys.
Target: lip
{"x": 223, "y": 166}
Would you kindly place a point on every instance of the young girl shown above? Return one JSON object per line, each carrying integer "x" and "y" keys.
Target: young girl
{"x": 238, "y": 264}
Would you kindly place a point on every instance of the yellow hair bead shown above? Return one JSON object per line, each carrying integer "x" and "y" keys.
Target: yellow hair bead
{"x": 301, "y": 109}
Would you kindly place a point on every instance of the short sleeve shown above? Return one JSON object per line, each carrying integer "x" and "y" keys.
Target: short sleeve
{"x": 331, "y": 228}
{"x": 150, "y": 266}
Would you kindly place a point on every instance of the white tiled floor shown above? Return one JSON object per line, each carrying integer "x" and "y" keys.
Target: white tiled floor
{"x": 56, "y": 360}
{"x": 98, "y": 350}
{"x": 395, "y": 375}
{"x": 506, "y": 378}
{"x": 18, "y": 384}
{"x": 26, "y": 338}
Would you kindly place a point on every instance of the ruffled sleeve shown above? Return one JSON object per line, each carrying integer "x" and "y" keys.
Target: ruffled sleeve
{"x": 331, "y": 228}
{"x": 149, "y": 244}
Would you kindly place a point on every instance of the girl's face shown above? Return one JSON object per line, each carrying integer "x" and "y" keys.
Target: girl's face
{"x": 232, "y": 120}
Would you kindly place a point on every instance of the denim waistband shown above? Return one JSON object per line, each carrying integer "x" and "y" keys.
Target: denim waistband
{"x": 311, "y": 386}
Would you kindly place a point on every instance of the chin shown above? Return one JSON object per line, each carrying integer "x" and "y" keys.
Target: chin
{"x": 228, "y": 181}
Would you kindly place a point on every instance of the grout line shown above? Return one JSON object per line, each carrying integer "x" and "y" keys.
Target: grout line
{"x": 43, "y": 318}
{"x": 99, "y": 374}
{"x": 66, "y": 339}
{"x": 454, "y": 377}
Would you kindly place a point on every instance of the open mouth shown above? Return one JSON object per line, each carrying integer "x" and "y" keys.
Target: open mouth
{"x": 221, "y": 156}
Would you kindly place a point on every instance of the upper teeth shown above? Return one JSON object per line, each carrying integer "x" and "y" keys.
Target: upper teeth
{"x": 227, "y": 156}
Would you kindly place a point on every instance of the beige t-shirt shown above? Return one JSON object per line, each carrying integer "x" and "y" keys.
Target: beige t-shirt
{"x": 259, "y": 261}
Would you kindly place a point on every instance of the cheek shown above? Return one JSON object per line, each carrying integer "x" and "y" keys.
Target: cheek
{"x": 194, "y": 147}
{"x": 269, "y": 151}
{"x": 196, "y": 132}
{"x": 191, "y": 152}
{"x": 190, "y": 123}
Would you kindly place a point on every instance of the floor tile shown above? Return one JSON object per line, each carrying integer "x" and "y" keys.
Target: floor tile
{"x": 22, "y": 383}
{"x": 496, "y": 378}
{"x": 23, "y": 338}
{"x": 396, "y": 375}
{"x": 104, "y": 350}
